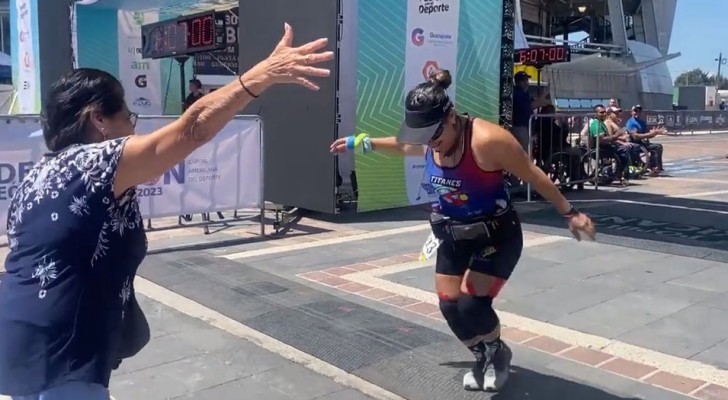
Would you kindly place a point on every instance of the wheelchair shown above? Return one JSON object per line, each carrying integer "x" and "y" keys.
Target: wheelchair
{"x": 605, "y": 169}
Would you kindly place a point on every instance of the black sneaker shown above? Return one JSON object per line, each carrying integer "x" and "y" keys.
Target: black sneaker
{"x": 496, "y": 372}
{"x": 475, "y": 378}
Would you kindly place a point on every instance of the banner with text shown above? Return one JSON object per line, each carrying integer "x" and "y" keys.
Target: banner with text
{"x": 431, "y": 46}
{"x": 141, "y": 78}
{"x": 24, "y": 52}
{"x": 410, "y": 39}
{"x": 224, "y": 174}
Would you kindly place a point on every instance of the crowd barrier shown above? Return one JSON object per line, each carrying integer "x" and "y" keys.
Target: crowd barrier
{"x": 557, "y": 146}
{"x": 680, "y": 122}
{"x": 223, "y": 174}
{"x": 561, "y": 145}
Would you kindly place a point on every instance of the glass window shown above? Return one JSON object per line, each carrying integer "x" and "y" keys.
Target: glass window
{"x": 5, "y": 32}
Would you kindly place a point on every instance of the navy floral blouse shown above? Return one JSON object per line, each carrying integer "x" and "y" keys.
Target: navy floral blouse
{"x": 74, "y": 253}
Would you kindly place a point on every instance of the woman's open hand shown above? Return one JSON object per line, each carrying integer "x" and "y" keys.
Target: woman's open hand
{"x": 339, "y": 146}
{"x": 288, "y": 64}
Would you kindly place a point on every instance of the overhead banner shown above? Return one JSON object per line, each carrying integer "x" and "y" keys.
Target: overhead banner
{"x": 223, "y": 62}
{"x": 400, "y": 43}
{"x": 24, "y": 51}
{"x": 141, "y": 78}
{"x": 224, "y": 174}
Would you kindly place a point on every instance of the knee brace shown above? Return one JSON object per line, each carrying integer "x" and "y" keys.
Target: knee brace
{"x": 479, "y": 314}
{"x": 458, "y": 325}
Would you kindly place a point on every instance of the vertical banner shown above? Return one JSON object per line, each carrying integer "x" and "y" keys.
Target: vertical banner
{"x": 400, "y": 42}
{"x": 432, "y": 45}
{"x": 24, "y": 41}
{"x": 74, "y": 34}
{"x": 141, "y": 78}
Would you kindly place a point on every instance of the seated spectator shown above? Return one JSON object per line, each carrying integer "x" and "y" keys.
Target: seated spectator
{"x": 608, "y": 143}
{"x": 614, "y": 121}
{"x": 639, "y": 134}
{"x": 554, "y": 138}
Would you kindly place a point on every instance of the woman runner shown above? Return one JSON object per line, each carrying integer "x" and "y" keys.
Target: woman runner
{"x": 474, "y": 226}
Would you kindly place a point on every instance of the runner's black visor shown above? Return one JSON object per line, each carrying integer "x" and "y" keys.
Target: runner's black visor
{"x": 420, "y": 127}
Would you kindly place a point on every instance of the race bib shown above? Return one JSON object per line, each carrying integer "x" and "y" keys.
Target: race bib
{"x": 429, "y": 249}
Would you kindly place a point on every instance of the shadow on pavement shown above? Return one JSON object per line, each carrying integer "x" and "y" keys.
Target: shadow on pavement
{"x": 524, "y": 383}
{"x": 682, "y": 226}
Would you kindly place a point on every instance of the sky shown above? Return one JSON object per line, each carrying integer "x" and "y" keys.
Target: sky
{"x": 698, "y": 34}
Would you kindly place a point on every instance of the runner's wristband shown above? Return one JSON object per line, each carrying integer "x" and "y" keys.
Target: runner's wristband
{"x": 572, "y": 211}
{"x": 361, "y": 140}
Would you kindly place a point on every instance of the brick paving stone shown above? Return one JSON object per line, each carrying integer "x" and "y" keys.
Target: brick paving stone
{"x": 376, "y": 294}
{"x": 677, "y": 383}
{"x": 399, "y": 301}
{"x": 516, "y": 335}
{"x": 354, "y": 287}
{"x": 712, "y": 392}
{"x": 628, "y": 368}
{"x": 361, "y": 267}
{"x": 423, "y": 308}
{"x": 586, "y": 356}
{"x": 339, "y": 271}
{"x": 315, "y": 276}
{"x": 547, "y": 344}
{"x": 334, "y": 281}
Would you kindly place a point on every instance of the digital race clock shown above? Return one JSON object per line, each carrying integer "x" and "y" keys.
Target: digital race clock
{"x": 184, "y": 36}
{"x": 542, "y": 55}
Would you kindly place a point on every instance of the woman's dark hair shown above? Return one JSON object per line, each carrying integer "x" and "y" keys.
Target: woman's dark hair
{"x": 431, "y": 93}
{"x": 72, "y": 99}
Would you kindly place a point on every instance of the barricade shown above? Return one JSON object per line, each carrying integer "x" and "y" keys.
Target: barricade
{"x": 683, "y": 122}
{"x": 224, "y": 174}
{"x": 560, "y": 145}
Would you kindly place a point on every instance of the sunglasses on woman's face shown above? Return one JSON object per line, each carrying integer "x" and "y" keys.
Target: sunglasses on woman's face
{"x": 438, "y": 132}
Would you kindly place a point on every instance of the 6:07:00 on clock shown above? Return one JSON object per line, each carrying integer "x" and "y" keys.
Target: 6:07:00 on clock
{"x": 542, "y": 55}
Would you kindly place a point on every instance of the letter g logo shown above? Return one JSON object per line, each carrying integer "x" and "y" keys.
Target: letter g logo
{"x": 418, "y": 37}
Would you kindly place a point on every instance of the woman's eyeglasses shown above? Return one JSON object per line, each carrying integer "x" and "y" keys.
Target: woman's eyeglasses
{"x": 133, "y": 117}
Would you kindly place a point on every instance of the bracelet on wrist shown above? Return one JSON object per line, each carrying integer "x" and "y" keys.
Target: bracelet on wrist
{"x": 253, "y": 95}
{"x": 361, "y": 140}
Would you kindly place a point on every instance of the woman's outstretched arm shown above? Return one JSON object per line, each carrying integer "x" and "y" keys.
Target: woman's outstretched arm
{"x": 147, "y": 156}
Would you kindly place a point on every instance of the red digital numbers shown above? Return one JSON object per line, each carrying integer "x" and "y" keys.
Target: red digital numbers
{"x": 522, "y": 57}
{"x": 541, "y": 55}
{"x": 202, "y": 31}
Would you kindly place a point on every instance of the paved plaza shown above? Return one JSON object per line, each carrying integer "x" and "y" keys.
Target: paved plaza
{"x": 340, "y": 307}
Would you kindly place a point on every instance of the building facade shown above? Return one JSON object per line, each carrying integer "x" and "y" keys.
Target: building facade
{"x": 619, "y": 49}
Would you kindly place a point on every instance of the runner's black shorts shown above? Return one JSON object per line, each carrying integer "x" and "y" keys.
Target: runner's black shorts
{"x": 496, "y": 256}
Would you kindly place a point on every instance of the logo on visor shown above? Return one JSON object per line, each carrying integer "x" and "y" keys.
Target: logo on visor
{"x": 418, "y": 37}
{"x": 430, "y": 68}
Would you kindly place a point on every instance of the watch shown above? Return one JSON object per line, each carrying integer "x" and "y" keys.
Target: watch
{"x": 572, "y": 211}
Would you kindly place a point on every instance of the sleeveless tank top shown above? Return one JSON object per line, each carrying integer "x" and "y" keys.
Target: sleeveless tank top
{"x": 466, "y": 191}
